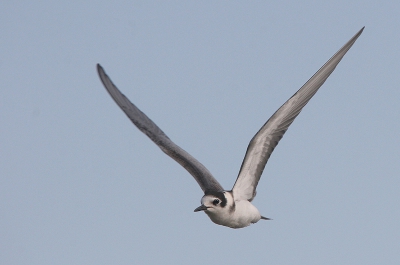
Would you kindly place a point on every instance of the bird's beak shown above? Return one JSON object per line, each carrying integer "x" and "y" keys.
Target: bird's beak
{"x": 201, "y": 208}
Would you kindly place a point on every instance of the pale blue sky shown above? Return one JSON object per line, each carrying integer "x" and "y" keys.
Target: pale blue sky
{"x": 79, "y": 184}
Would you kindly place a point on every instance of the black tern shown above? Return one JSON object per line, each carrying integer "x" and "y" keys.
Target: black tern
{"x": 232, "y": 208}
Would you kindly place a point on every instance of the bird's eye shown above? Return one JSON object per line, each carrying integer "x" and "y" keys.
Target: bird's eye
{"x": 216, "y": 201}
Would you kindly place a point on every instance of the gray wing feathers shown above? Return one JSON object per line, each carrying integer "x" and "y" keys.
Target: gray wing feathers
{"x": 267, "y": 138}
{"x": 143, "y": 123}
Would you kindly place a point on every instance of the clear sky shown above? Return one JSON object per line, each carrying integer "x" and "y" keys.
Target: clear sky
{"x": 79, "y": 184}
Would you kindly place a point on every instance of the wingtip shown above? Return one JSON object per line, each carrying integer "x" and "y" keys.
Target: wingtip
{"x": 359, "y": 32}
{"x": 100, "y": 71}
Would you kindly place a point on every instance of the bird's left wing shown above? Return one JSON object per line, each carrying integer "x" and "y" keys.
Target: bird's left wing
{"x": 268, "y": 137}
{"x": 203, "y": 177}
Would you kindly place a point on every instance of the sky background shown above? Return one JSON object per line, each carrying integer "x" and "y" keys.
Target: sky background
{"x": 79, "y": 184}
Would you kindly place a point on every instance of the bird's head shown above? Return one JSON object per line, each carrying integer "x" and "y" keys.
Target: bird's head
{"x": 212, "y": 202}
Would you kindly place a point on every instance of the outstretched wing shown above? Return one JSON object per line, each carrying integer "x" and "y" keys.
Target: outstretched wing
{"x": 268, "y": 137}
{"x": 203, "y": 177}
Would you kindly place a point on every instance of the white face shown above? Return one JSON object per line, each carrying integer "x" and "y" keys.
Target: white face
{"x": 214, "y": 202}
{"x": 211, "y": 202}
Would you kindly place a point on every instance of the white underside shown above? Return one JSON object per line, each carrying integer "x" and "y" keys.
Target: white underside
{"x": 244, "y": 215}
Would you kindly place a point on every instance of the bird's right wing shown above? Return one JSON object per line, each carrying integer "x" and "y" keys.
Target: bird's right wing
{"x": 203, "y": 177}
{"x": 268, "y": 137}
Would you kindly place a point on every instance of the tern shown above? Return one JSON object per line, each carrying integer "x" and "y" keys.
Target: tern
{"x": 232, "y": 208}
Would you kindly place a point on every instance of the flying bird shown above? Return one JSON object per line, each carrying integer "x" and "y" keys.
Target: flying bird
{"x": 232, "y": 208}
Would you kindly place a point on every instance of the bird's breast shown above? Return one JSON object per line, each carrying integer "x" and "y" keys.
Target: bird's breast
{"x": 244, "y": 214}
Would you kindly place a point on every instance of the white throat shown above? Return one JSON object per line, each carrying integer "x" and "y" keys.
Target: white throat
{"x": 235, "y": 214}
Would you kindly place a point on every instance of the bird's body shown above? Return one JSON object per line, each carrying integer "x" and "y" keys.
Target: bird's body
{"x": 232, "y": 208}
{"x": 228, "y": 212}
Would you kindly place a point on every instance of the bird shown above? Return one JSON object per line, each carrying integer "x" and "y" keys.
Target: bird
{"x": 232, "y": 208}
